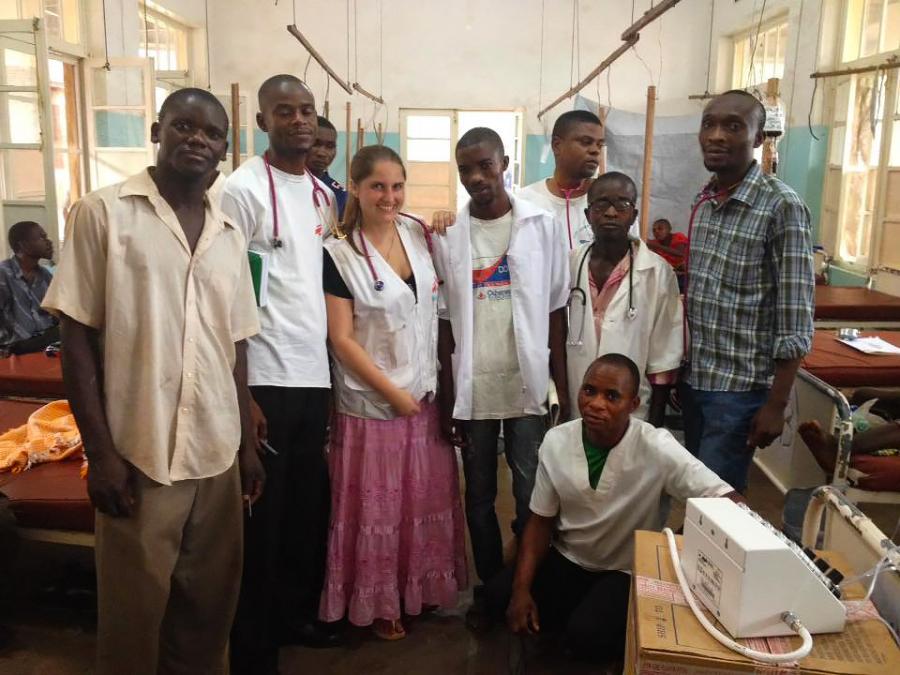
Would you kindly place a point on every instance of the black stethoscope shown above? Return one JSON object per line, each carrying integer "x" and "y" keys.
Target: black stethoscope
{"x": 318, "y": 193}
{"x": 377, "y": 283}
{"x": 578, "y": 294}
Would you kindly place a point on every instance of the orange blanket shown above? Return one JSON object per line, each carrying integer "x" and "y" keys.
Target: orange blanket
{"x": 49, "y": 435}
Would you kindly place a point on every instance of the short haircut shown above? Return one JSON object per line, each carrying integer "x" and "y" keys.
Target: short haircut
{"x": 760, "y": 108}
{"x": 180, "y": 95}
{"x": 663, "y": 220}
{"x": 481, "y": 135}
{"x": 19, "y": 233}
{"x": 618, "y": 361}
{"x": 325, "y": 123}
{"x": 274, "y": 82}
{"x": 566, "y": 121}
{"x": 609, "y": 177}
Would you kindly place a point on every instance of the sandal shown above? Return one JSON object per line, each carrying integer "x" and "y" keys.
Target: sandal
{"x": 388, "y": 630}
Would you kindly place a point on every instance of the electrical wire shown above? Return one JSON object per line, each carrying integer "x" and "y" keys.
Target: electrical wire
{"x": 208, "y": 59}
{"x": 106, "y": 65}
{"x": 541, "y": 60}
{"x": 356, "y": 40}
{"x": 348, "y": 41}
{"x": 712, "y": 16}
{"x": 572, "y": 56}
{"x": 306, "y": 68}
{"x": 762, "y": 13}
{"x": 764, "y": 657}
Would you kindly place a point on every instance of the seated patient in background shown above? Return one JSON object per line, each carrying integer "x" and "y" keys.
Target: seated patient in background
{"x": 24, "y": 326}
{"x": 672, "y": 246}
{"x": 599, "y": 479}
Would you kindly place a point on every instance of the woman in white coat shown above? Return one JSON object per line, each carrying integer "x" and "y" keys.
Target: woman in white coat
{"x": 396, "y": 539}
{"x": 624, "y": 298}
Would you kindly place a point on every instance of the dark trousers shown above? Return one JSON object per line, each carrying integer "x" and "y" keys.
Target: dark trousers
{"x": 589, "y": 608}
{"x": 285, "y": 539}
{"x": 522, "y": 436}
{"x": 716, "y": 427}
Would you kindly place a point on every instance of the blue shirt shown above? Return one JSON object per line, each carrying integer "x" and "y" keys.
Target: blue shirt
{"x": 21, "y": 316}
{"x": 751, "y": 286}
{"x": 340, "y": 194}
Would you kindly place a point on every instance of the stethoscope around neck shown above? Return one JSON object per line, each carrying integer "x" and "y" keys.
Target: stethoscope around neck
{"x": 377, "y": 281}
{"x": 578, "y": 297}
{"x": 317, "y": 195}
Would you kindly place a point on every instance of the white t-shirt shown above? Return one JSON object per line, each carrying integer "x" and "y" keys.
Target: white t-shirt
{"x": 595, "y": 528}
{"x": 570, "y": 215}
{"x": 290, "y": 349}
{"x": 497, "y": 385}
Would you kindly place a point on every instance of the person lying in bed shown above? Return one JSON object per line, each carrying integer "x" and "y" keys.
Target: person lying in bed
{"x": 875, "y": 452}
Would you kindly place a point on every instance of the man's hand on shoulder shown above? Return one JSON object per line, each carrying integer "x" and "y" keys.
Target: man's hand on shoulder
{"x": 441, "y": 221}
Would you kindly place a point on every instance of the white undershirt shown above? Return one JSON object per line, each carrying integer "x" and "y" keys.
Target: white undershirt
{"x": 595, "y": 527}
{"x": 290, "y": 349}
{"x": 497, "y": 386}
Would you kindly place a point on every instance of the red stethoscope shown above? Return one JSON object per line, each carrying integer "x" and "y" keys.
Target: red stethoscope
{"x": 318, "y": 193}
{"x": 377, "y": 283}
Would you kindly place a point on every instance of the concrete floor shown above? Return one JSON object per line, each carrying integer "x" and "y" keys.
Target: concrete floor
{"x": 54, "y": 634}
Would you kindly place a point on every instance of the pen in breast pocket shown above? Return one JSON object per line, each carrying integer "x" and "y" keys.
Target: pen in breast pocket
{"x": 268, "y": 447}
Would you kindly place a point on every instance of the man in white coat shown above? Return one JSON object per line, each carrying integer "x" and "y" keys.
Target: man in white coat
{"x": 505, "y": 276}
{"x": 624, "y": 299}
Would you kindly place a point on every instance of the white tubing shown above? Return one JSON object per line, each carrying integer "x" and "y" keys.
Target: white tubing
{"x": 763, "y": 657}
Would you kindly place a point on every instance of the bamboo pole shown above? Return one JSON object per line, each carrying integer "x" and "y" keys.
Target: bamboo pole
{"x": 649, "y": 16}
{"x": 293, "y": 30}
{"x": 606, "y": 63}
{"x": 326, "y": 111}
{"x": 648, "y": 161}
{"x": 768, "y": 148}
{"x": 380, "y": 134}
{"x": 347, "y": 140}
{"x": 367, "y": 93}
{"x": 235, "y": 125}
{"x": 360, "y": 134}
{"x": 887, "y": 65}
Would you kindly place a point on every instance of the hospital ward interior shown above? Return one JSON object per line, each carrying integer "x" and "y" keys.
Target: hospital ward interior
{"x": 473, "y": 337}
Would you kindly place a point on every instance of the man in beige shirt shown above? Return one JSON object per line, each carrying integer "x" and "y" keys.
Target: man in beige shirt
{"x": 154, "y": 293}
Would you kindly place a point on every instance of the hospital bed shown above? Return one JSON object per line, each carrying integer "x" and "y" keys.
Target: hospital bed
{"x": 848, "y": 531}
{"x": 33, "y": 375}
{"x": 49, "y": 501}
{"x": 831, "y": 365}
{"x": 840, "y": 307}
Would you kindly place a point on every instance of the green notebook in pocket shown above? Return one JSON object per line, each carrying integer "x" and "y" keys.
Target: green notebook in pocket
{"x": 259, "y": 272}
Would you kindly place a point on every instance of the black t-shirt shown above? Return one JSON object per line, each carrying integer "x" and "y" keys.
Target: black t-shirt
{"x": 333, "y": 282}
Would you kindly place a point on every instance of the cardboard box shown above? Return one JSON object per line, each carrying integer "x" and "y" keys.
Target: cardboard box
{"x": 664, "y": 637}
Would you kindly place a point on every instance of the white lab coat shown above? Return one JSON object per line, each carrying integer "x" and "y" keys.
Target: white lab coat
{"x": 539, "y": 283}
{"x": 396, "y": 328}
{"x": 653, "y": 339}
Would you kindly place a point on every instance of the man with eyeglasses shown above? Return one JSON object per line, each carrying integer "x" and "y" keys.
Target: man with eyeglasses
{"x": 624, "y": 299}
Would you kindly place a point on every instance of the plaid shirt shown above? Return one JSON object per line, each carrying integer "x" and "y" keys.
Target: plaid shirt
{"x": 21, "y": 316}
{"x": 750, "y": 285}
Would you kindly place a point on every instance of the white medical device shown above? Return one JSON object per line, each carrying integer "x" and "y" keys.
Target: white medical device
{"x": 748, "y": 574}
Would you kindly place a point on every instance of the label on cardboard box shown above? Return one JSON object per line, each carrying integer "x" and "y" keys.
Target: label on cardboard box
{"x": 664, "y": 637}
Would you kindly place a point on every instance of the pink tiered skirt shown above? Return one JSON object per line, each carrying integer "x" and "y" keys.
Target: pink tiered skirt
{"x": 396, "y": 539}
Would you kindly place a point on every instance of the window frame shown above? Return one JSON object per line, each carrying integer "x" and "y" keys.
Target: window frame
{"x": 775, "y": 22}
{"x": 178, "y": 77}
{"x": 871, "y": 262}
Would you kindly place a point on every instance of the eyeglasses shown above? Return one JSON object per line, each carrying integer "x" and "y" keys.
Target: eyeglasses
{"x": 602, "y": 205}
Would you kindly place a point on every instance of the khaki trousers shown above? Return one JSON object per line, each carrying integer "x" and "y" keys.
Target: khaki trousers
{"x": 168, "y": 578}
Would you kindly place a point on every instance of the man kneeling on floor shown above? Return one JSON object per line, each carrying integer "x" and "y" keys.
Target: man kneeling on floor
{"x": 599, "y": 479}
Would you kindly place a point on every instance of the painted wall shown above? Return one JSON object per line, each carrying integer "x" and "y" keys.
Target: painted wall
{"x": 479, "y": 55}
